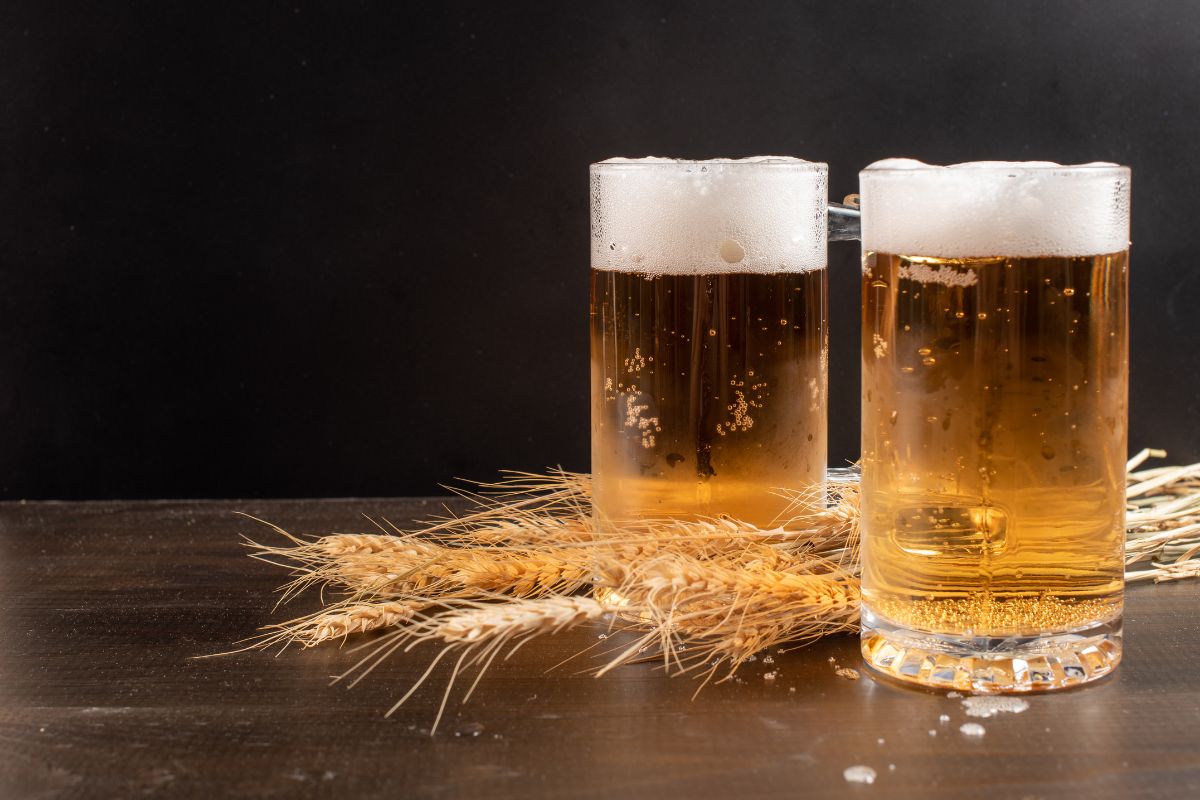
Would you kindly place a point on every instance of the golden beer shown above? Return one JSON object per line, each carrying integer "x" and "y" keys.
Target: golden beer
{"x": 994, "y": 426}
{"x": 708, "y": 337}
{"x": 709, "y": 392}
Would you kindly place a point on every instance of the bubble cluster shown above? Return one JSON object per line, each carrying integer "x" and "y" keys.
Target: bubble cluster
{"x": 660, "y": 216}
{"x": 993, "y": 208}
{"x": 637, "y": 419}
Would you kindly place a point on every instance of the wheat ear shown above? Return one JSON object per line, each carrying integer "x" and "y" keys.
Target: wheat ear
{"x": 478, "y": 633}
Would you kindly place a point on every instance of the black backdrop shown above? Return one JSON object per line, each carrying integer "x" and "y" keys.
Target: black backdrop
{"x": 341, "y": 248}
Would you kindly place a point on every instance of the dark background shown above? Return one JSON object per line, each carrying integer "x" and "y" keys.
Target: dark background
{"x": 341, "y": 248}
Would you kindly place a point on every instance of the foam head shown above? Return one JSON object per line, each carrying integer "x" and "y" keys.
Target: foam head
{"x": 661, "y": 216}
{"x": 994, "y": 208}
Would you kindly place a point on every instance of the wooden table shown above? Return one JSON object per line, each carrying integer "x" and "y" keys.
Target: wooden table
{"x": 105, "y": 604}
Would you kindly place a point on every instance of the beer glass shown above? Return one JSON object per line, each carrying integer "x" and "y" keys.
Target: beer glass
{"x": 994, "y": 387}
{"x": 709, "y": 344}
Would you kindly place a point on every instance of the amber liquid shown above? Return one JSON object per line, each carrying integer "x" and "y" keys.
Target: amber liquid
{"x": 994, "y": 442}
{"x": 708, "y": 393}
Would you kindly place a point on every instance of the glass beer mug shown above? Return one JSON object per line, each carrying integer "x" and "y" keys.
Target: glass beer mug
{"x": 994, "y": 382}
{"x": 709, "y": 343}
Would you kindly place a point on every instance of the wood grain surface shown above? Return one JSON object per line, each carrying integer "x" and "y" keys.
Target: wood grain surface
{"x": 105, "y": 604}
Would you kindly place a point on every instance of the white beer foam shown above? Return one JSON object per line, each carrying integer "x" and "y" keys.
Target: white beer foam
{"x": 662, "y": 216}
{"x": 994, "y": 208}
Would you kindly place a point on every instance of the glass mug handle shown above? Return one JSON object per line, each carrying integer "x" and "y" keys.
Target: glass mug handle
{"x": 845, "y": 223}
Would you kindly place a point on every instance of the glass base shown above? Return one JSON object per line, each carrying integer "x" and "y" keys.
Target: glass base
{"x": 983, "y": 664}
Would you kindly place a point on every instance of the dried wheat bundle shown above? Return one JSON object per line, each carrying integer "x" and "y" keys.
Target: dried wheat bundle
{"x": 1162, "y": 526}
{"x": 701, "y": 596}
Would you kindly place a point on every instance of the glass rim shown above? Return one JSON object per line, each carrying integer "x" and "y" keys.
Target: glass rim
{"x": 750, "y": 162}
{"x": 992, "y": 168}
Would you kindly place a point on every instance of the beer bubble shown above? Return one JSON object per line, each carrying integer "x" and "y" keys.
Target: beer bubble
{"x": 1047, "y": 452}
{"x": 982, "y": 315}
{"x": 929, "y": 361}
{"x": 1069, "y": 292}
{"x": 732, "y": 251}
{"x": 924, "y": 351}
